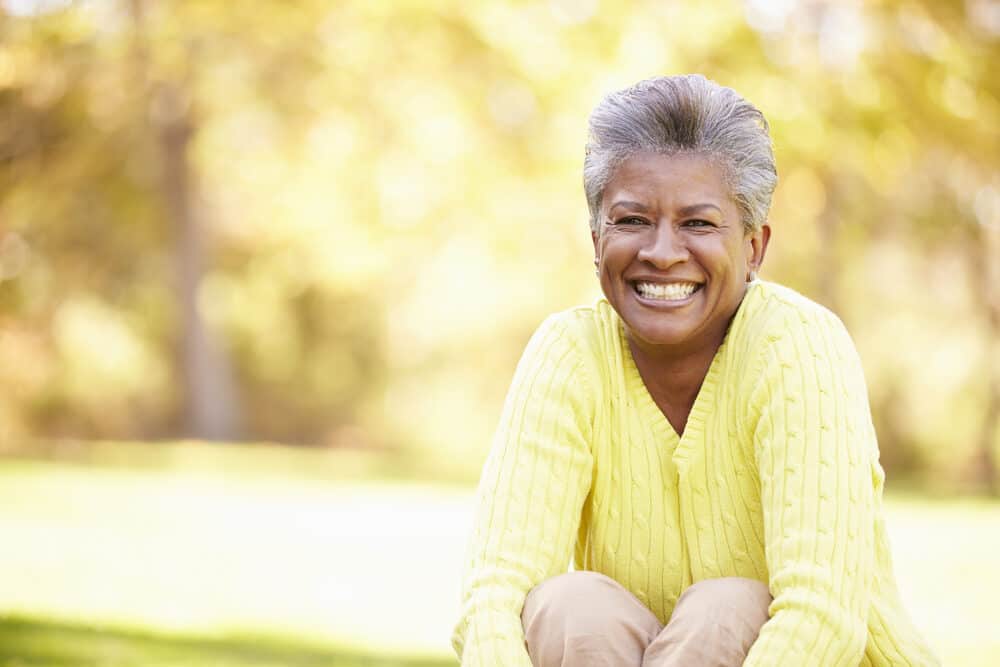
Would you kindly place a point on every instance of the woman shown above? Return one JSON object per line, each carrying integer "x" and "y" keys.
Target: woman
{"x": 699, "y": 440}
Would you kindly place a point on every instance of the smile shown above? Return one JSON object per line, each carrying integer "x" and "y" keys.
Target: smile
{"x": 666, "y": 291}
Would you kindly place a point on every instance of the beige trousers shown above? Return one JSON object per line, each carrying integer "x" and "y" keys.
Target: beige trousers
{"x": 585, "y": 619}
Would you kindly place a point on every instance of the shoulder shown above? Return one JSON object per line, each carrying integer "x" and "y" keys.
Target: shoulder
{"x": 783, "y": 330}
{"x": 582, "y": 341}
{"x": 590, "y": 329}
{"x": 776, "y": 314}
{"x": 797, "y": 338}
{"x": 559, "y": 366}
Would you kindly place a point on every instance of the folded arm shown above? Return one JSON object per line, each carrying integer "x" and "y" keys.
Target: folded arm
{"x": 820, "y": 486}
{"x": 530, "y": 497}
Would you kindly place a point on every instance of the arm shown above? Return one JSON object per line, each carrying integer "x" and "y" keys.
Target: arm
{"x": 529, "y": 500}
{"x": 820, "y": 484}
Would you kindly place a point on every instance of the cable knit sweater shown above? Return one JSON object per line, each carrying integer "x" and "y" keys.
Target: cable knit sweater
{"x": 776, "y": 477}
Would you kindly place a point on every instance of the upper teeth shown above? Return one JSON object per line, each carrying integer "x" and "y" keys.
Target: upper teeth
{"x": 666, "y": 291}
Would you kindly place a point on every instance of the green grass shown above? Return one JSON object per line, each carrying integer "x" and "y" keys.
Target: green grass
{"x": 368, "y": 567}
{"x": 232, "y": 558}
{"x": 31, "y": 642}
{"x": 261, "y": 459}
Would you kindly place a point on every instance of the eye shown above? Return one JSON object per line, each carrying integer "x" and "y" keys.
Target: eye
{"x": 697, "y": 223}
{"x": 630, "y": 220}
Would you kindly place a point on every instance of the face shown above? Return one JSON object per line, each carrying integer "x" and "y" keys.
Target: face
{"x": 672, "y": 253}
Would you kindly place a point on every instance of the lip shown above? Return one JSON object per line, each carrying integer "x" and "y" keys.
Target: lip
{"x": 660, "y": 304}
{"x": 662, "y": 281}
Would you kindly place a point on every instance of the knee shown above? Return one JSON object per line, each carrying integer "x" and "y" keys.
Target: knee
{"x": 727, "y": 600}
{"x": 580, "y": 617}
{"x": 576, "y": 602}
{"x": 715, "y": 622}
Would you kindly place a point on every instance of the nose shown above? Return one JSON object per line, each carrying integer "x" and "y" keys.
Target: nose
{"x": 664, "y": 247}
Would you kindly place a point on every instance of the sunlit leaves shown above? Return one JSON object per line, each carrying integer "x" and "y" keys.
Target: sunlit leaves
{"x": 391, "y": 192}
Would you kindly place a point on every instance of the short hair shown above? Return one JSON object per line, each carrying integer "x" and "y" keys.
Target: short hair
{"x": 683, "y": 114}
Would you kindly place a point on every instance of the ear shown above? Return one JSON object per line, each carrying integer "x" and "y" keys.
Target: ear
{"x": 757, "y": 247}
{"x": 593, "y": 237}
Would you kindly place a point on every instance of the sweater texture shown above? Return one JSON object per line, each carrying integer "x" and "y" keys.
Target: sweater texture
{"x": 775, "y": 478}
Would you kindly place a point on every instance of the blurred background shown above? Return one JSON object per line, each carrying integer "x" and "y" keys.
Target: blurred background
{"x": 266, "y": 269}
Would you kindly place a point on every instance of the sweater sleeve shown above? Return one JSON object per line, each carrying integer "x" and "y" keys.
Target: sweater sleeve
{"x": 530, "y": 497}
{"x": 820, "y": 484}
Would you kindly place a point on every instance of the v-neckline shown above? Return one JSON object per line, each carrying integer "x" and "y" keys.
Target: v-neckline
{"x": 681, "y": 444}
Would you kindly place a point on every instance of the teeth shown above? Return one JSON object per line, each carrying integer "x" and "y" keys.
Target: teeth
{"x": 666, "y": 291}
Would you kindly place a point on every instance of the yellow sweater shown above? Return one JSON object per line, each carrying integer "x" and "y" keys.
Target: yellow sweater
{"x": 776, "y": 478}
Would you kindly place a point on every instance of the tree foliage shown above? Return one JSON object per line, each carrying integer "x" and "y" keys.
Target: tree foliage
{"x": 387, "y": 200}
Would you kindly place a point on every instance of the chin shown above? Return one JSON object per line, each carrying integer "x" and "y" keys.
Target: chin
{"x": 660, "y": 335}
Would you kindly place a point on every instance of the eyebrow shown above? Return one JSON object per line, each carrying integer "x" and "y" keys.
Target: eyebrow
{"x": 629, "y": 204}
{"x": 694, "y": 208}
{"x": 686, "y": 210}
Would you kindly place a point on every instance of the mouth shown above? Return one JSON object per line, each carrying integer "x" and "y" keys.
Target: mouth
{"x": 667, "y": 293}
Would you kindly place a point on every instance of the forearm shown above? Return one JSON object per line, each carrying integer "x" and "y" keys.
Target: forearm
{"x": 490, "y": 632}
{"x": 820, "y": 487}
{"x": 808, "y": 628}
{"x": 530, "y": 498}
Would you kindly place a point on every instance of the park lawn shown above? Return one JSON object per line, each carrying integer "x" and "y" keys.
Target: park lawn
{"x": 189, "y": 565}
{"x": 28, "y": 642}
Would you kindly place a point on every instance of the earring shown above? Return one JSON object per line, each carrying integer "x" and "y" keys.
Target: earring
{"x": 751, "y": 276}
{"x": 597, "y": 267}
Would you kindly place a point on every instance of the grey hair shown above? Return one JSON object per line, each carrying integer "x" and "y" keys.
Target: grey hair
{"x": 683, "y": 114}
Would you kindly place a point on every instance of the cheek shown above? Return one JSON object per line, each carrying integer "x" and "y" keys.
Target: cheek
{"x": 611, "y": 249}
{"x": 740, "y": 252}
{"x": 726, "y": 263}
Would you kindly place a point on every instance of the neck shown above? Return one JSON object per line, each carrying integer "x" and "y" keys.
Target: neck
{"x": 683, "y": 364}
{"x": 673, "y": 376}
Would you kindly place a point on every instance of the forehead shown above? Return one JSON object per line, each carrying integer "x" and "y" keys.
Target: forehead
{"x": 677, "y": 179}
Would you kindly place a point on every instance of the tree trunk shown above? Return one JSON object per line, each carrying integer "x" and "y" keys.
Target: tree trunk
{"x": 987, "y": 248}
{"x": 210, "y": 402}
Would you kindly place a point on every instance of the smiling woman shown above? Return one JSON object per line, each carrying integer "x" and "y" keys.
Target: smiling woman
{"x": 699, "y": 440}
{"x": 674, "y": 259}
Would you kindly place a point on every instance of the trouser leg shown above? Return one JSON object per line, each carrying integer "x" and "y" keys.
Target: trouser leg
{"x": 714, "y": 624}
{"x": 586, "y": 619}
